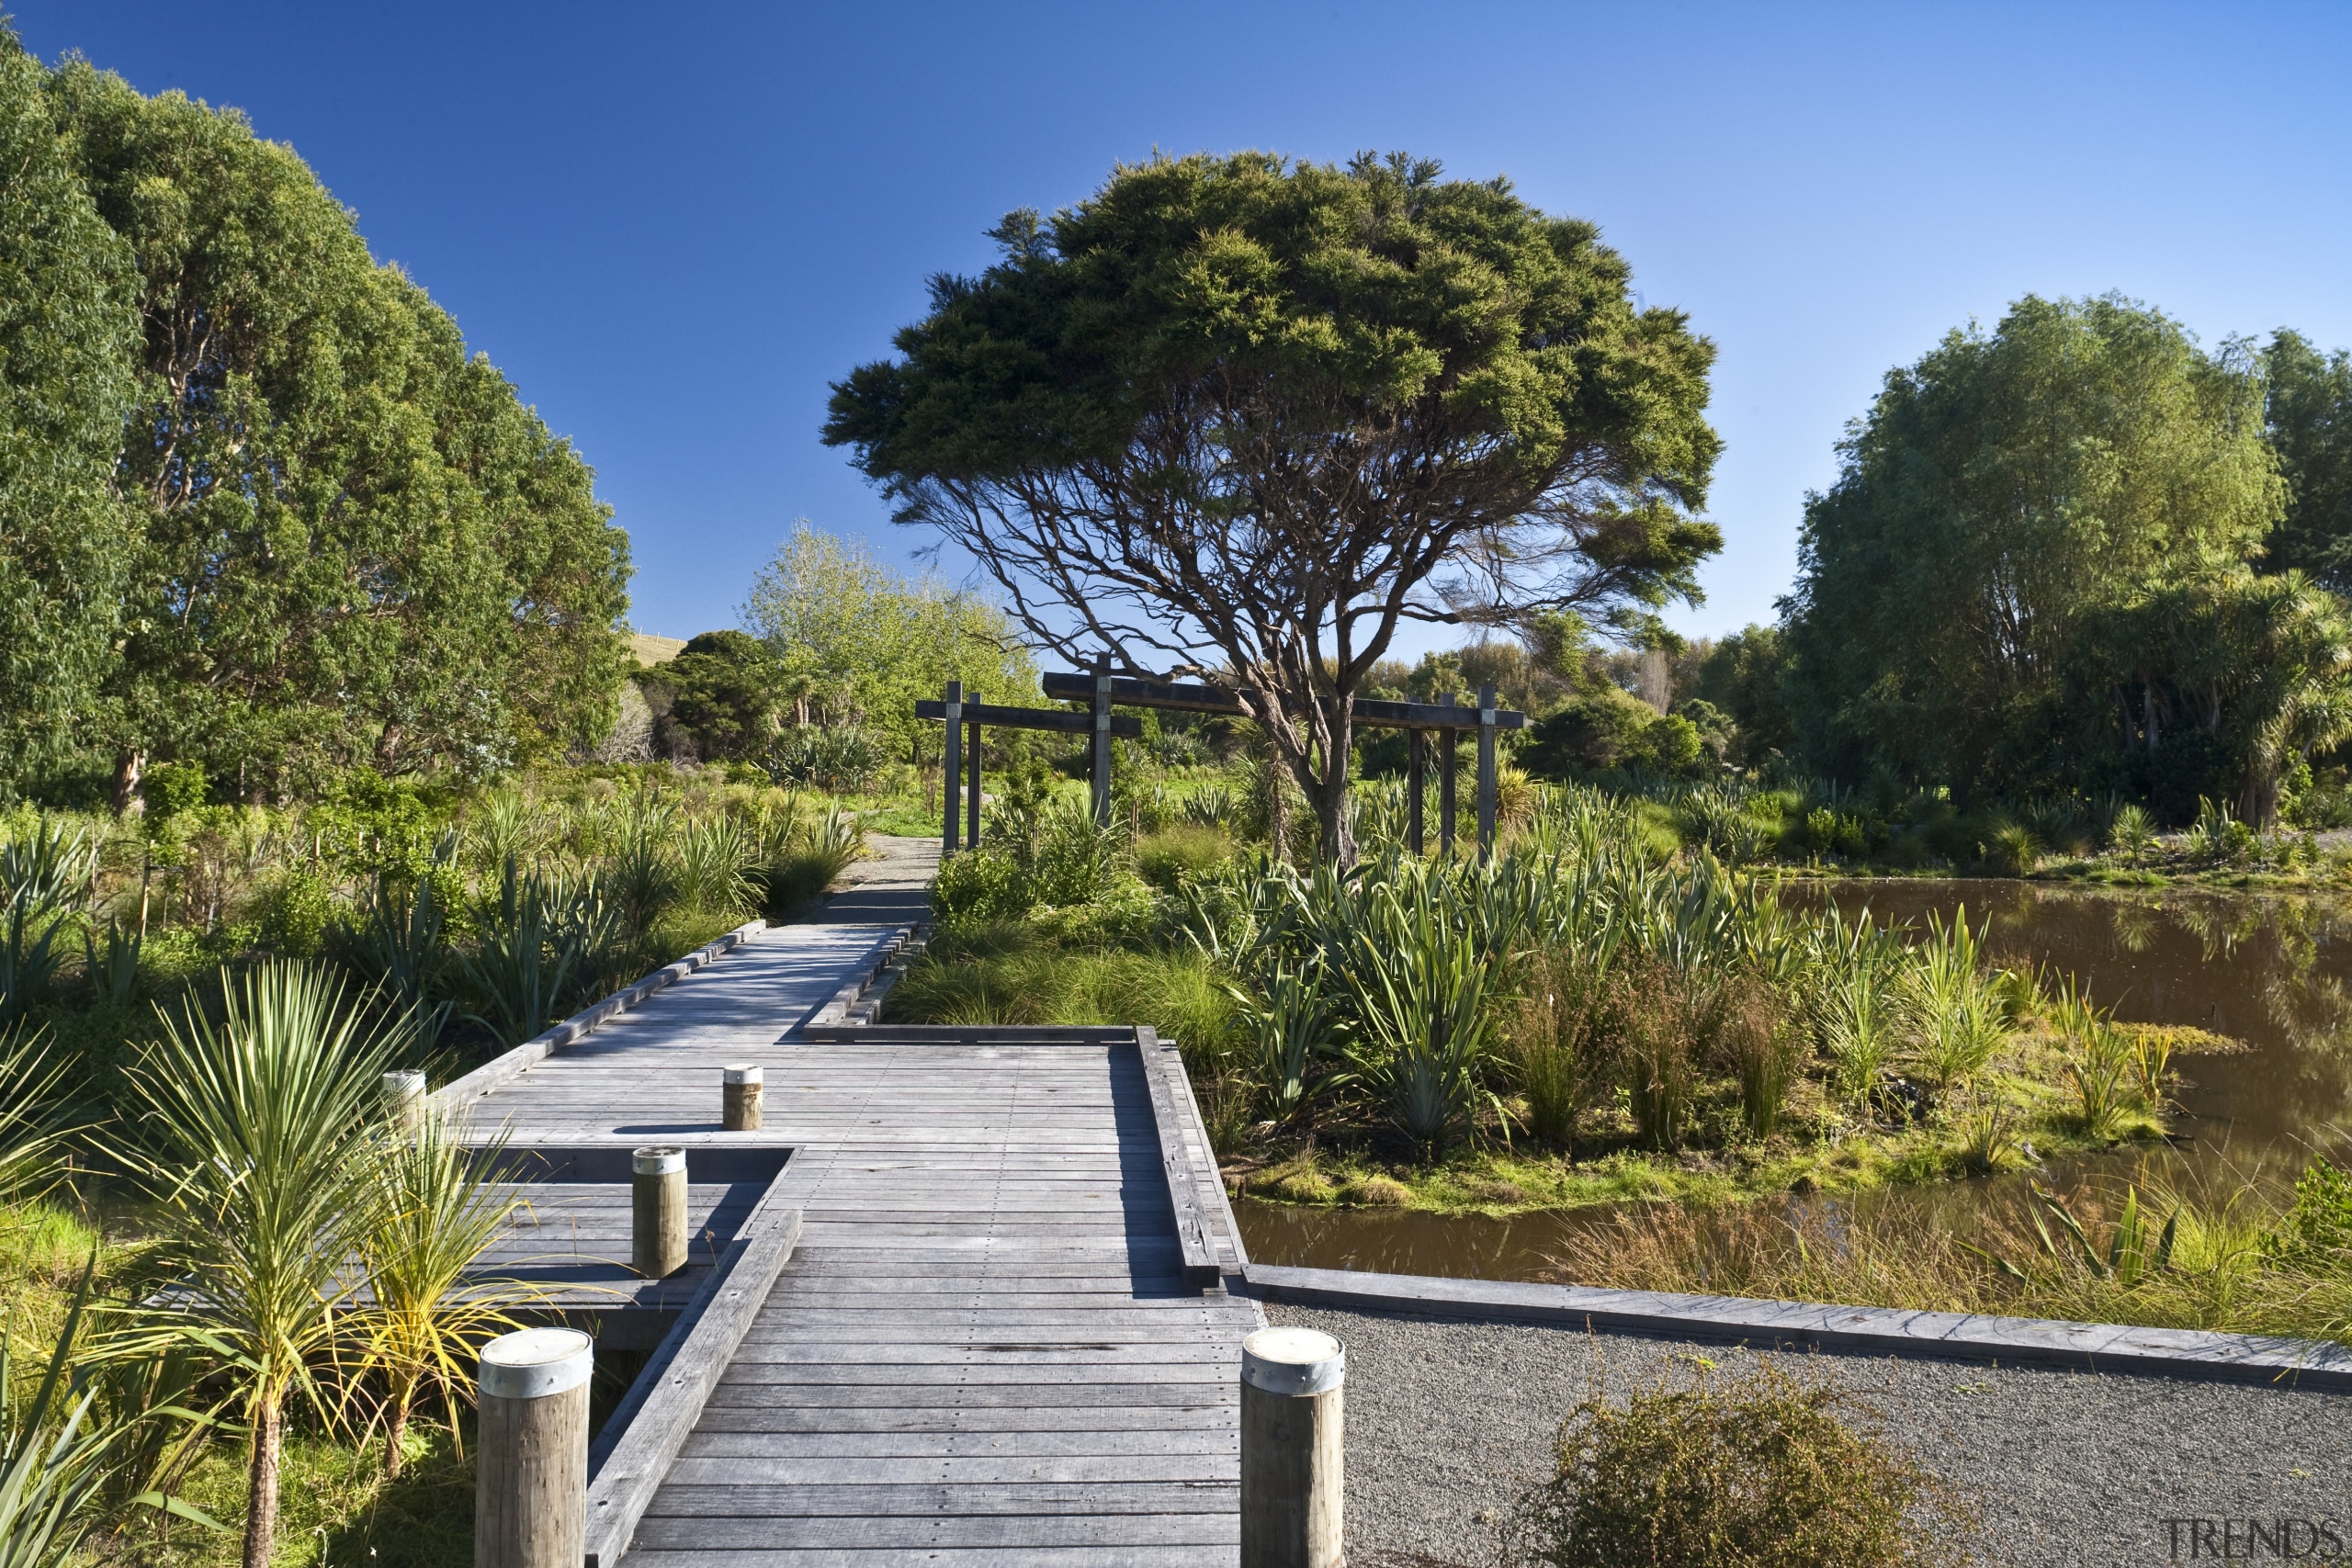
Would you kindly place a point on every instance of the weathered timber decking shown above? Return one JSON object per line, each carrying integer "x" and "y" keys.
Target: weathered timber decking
{"x": 990, "y": 1343}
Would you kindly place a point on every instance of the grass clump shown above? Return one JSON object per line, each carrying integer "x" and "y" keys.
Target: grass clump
{"x": 1725, "y": 1472}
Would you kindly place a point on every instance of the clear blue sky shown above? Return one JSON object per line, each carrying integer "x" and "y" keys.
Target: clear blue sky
{"x": 671, "y": 225}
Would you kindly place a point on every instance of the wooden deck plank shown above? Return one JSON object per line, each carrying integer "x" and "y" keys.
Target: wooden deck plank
{"x": 985, "y": 1349}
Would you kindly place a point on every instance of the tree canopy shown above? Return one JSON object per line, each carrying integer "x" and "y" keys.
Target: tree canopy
{"x": 264, "y": 513}
{"x": 68, "y": 336}
{"x": 2005, "y": 499}
{"x": 1244, "y": 417}
{"x": 850, "y": 642}
{"x": 2309, "y": 409}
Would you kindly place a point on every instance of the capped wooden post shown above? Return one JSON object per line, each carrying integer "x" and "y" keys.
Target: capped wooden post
{"x": 531, "y": 1467}
{"x": 1486, "y": 771}
{"x": 951, "y": 767}
{"x": 657, "y": 1248}
{"x": 972, "y": 835}
{"x": 1445, "y": 811}
{"x": 1417, "y": 778}
{"x": 740, "y": 1086}
{"x": 1292, "y": 1446}
{"x": 1103, "y": 741}
{"x": 404, "y": 1101}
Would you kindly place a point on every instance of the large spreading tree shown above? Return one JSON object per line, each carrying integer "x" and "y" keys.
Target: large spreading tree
{"x": 347, "y": 542}
{"x": 1246, "y": 418}
{"x": 68, "y": 334}
{"x": 2031, "y": 573}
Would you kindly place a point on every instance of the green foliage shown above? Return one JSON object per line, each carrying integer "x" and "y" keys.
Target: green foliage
{"x": 1724, "y": 1473}
{"x": 2308, "y": 407}
{"x": 1608, "y": 729}
{"x": 2317, "y": 1233}
{"x": 1741, "y": 676}
{"x": 716, "y": 701}
{"x": 349, "y": 541}
{"x": 254, "y": 1144}
{"x": 850, "y": 643}
{"x": 540, "y": 946}
{"x": 293, "y": 913}
{"x": 69, "y": 342}
{"x": 1126, "y": 416}
{"x": 2058, "y": 469}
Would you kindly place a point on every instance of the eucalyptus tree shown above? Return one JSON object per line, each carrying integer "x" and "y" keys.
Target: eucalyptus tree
{"x": 1248, "y": 418}
{"x": 69, "y": 341}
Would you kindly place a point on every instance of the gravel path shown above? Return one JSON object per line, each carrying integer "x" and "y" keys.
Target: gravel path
{"x": 1446, "y": 1419}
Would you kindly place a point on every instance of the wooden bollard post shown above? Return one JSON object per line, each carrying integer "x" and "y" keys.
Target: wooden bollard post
{"x": 531, "y": 1492}
{"x": 404, "y": 1101}
{"x": 1291, "y": 1448}
{"x": 657, "y": 1246}
{"x": 743, "y": 1096}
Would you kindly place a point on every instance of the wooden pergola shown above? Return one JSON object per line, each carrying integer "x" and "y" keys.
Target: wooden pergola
{"x": 1103, "y": 690}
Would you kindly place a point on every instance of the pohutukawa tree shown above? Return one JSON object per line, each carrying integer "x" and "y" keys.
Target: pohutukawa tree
{"x": 1246, "y": 418}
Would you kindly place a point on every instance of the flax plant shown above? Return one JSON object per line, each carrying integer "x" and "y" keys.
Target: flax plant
{"x": 259, "y": 1158}
{"x": 424, "y": 1318}
{"x": 1955, "y": 1017}
{"x": 28, "y": 1132}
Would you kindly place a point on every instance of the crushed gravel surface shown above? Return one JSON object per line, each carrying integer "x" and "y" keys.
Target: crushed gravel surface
{"x": 1448, "y": 1419}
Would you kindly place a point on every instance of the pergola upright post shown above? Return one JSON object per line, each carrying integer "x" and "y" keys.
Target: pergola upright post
{"x": 1445, "y": 812}
{"x": 951, "y": 769}
{"x": 1103, "y": 741}
{"x": 1416, "y": 768}
{"x": 1486, "y": 771}
{"x": 972, "y": 834}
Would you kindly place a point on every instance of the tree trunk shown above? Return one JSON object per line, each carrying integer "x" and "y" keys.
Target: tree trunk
{"x": 396, "y": 1427}
{"x": 261, "y": 1508}
{"x": 125, "y": 792}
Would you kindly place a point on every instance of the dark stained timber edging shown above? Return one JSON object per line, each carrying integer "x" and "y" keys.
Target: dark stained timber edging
{"x": 1369, "y": 713}
{"x": 1000, "y": 717}
{"x": 1183, "y": 1193}
{"x": 869, "y": 969}
{"x": 502, "y": 1070}
{"x": 646, "y": 1430}
{"x": 2096, "y": 1347}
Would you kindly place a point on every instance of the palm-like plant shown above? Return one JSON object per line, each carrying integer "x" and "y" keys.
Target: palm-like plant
{"x": 424, "y": 1320}
{"x": 28, "y": 1123}
{"x": 259, "y": 1157}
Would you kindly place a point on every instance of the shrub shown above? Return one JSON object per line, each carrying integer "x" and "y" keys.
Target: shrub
{"x": 1755, "y": 1470}
{"x": 979, "y": 887}
{"x": 1164, "y": 859}
{"x": 292, "y": 914}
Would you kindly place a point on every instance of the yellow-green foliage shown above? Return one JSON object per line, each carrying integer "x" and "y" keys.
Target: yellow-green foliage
{"x": 1015, "y": 973}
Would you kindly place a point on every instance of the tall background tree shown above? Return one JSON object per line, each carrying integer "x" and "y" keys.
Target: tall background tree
{"x": 1247, "y": 417}
{"x": 2309, "y": 409}
{"x": 2004, "y": 501}
{"x": 69, "y": 341}
{"x": 351, "y": 543}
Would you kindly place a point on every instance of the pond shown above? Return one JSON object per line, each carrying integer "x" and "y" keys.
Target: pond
{"x": 2273, "y": 971}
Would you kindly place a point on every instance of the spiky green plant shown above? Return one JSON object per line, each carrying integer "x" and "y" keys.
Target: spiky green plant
{"x": 29, "y": 1118}
{"x": 541, "y": 942}
{"x": 1289, "y": 1021}
{"x": 56, "y": 1454}
{"x": 714, "y": 866}
{"x": 257, "y": 1154}
{"x": 1954, "y": 1014}
{"x": 113, "y": 971}
{"x": 425, "y": 1315}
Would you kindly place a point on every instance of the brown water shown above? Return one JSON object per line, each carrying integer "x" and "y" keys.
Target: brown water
{"x": 2274, "y": 971}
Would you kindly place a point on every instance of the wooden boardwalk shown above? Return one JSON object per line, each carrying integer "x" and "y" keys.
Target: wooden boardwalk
{"x": 985, "y": 1348}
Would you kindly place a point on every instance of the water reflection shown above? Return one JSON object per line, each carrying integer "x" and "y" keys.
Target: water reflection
{"x": 2269, "y": 970}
